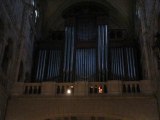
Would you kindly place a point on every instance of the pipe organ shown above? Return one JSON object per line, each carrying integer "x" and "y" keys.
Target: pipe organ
{"x": 54, "y": 63}
{"x": 102, "y": 53}
{"x": 48, "y": 65}
{"x": 68, "y": 54}
{"x": 86, "y": 64}
{"x": 87, "y": 52}
{"x": 41, "y": 65}
{"x": 123, "y": 63}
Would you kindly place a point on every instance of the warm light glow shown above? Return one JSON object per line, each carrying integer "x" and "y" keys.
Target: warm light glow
{"x": 100, "y": 89}
{"x": 68, "y": 91}
{"x": 91, "y": 87}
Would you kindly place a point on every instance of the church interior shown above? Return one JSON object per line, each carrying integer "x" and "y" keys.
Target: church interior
{"x": 79, "y": 59}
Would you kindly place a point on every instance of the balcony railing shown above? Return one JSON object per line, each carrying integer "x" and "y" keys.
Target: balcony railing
{"x": 81, "y": 88}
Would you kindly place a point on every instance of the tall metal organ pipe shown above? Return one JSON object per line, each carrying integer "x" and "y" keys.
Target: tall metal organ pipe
{"x": 102, "y": 53}
{"x": 99, "y": 53}
{"x": 65, "y": 55}
{"x": 68, "y": 55}
{"x": 106, "y": 52}
{"x": 72, "y": 52}
{"x": 38, "y": 66}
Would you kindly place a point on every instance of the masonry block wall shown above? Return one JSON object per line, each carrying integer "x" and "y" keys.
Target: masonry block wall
{"x": 16, "y": 41}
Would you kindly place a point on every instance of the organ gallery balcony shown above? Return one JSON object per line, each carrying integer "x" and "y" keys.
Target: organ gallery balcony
{"x": 82, "y": 88}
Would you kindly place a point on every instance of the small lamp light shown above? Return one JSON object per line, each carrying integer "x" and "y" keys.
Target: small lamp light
{"x": 69, "y": 91}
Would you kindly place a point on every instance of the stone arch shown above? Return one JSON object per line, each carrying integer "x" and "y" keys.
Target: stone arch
{"x": 116, "y": 17}
{"x": 85, "y": 8}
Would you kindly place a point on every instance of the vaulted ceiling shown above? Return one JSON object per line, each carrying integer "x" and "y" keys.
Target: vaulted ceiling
{"x": 120, "y": 12}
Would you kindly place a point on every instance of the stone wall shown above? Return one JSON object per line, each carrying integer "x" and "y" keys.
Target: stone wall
{"x": 147, "y": 12}
{"x": 16, "y": 42}
{"x": 3, "y": 103}
{"x": 43, "y": 101}
{"x": 63, "y": 107}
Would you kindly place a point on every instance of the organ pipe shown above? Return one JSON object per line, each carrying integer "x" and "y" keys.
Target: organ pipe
{"x": 41, "y": 65}
{"x": 81, "y": 67}
{"x": 56, "y": 65}
{"x": 128, "y": 64}
{"x": 99, "y": 53}
{"x": 52, "y": 64}
{"x": 38, "y": 66}
{"x": 106, "y": 52}
{"x": 69, "y": 52}
{"x": 86, "y": 64}
{"x": 134, "y": 69}
{"x": 102, "y": 52}
{"x": 80, "y": 62}
{"x": 44, "y": 61}
{"x": 77, "y": 65}
{"x": 51, "y": 71}
{"x": 120, "y": 63}
{"x": 86, "y": 60}
{"x": 91, "y": 72}
{"x": 123, "y": 64}
{"x": 65, "y": 54}
{"x": 112, "y": 54}
{"x": 116, "y": 64}
{"x": 83, "y": 63}
{"x": 72, "y": 52}
{"x": 68, "y": 56}
{"x": 93, "y": 68}
{"x": 131, "y": 63}
{"x": 49, "y": 65}
{"x": 93, "y": 65}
